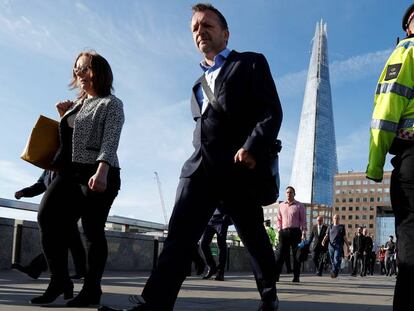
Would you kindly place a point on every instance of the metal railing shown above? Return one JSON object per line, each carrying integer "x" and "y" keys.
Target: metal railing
{"x": 125, "y": 222}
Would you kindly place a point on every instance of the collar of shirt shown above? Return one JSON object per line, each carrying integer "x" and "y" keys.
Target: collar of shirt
{"x": 211, "y": 73}
{"x": 219, "y": 60}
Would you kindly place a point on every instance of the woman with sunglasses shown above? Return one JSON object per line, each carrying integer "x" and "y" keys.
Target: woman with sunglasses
{"x": 88, "y": 180}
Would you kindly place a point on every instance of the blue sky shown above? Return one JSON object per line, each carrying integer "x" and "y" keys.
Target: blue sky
{"x": 150, "y": 49}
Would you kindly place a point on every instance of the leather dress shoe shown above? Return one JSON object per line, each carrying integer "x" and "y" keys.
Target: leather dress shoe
{"x": 269, "y": 305}
{"x": 210, "y": 273}
{"x": 26, "y": 270}
{"x": 54, "y": 290}
{"x": 220, "y": 275}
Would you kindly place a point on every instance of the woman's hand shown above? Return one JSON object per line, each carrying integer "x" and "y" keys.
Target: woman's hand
{"x": 98, "y": 181}
{"x": 64, "y": 106}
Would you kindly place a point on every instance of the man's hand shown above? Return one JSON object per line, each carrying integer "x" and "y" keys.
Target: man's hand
{"x": 244, "y": 157}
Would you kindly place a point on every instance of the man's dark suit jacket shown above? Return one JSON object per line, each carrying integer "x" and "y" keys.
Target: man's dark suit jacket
{"x": 316, "y": 240}
{"x": 251, "y": 118}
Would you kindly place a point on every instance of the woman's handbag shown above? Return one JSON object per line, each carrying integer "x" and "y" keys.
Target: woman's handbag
{"x": 42, "y": 144}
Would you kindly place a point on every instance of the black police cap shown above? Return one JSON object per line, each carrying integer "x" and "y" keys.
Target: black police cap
{"x": 406, "y": 16}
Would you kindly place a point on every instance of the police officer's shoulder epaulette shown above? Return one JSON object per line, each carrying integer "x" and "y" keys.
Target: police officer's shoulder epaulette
{"x": 392, "y": 71}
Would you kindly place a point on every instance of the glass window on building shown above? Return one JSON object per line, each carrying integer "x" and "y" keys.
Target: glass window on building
{"x": 365, "y": 190}
{"x": 337, "y": 183}
{"x": 364, "y": 208}
{"x": 350, "y": 191}
{"x": 350, "y": 200}
{"x": 343, "y": 208}
{"x": 337, "y": 191}
{"x": 372, "y": 190}
{"x": 357, "y": 208}
{"x": 387, "y": 190}
{"x": 371, "y": 182}
{"x": 386, "y": 181}
{"x": 336, "y": 200}
{"x": 351, "y": 182}
{"x": 364, "y": 216}
{"x": 386, "y": 199}
{"x": 343, "y": 191}
{"x": 379, "y": 190}
{"x": 343, "y": 217}
{"x": 349, "y": 217}
{"x": 265, "y": 210}
{"x": 356, "y": 226}
{"x": 372, "y": 199}
{"x": 349, "y": 225}
{"x": 337, "y": 209}
{"x": 357, "y": 190}
{"x": 364, "y": 199}
{"x": 344, "y": 183}
{"x": 357, "y": 182}
{"x": 343, "y": 200}
{"x": 357, "y": 199}
{"x": 371, "y": 216}
{"x": 371, "y": 208}
{"x": 379, "y": 199}
{"x": 371, "y": 226}
{"x": 356, "y": 217}
{"x": 350, "y": 208}
{"x": 365, "y": 182}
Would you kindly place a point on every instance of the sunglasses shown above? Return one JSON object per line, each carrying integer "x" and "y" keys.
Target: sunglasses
{"x": 81, "y": 70}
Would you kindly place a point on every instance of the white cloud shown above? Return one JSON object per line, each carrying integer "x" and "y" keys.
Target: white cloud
{"x": 351, "y": 69}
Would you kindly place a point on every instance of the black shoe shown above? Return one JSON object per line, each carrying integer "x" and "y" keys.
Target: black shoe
{"x": 296, "y": 279}
{"x": 77, "y": 276}
{"x": 220, "y": 275}
{"x": 353, "y": 274}
{"x": 54, "y": 290}
{"x": 85, "y": 298}
{"x": 26, "y": 270}
{"x": 211, "y": 271}
{"x": 269, "y": 305}
{"x": 200, "y": 267}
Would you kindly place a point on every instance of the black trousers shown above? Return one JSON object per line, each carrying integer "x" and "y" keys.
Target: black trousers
{"x": 319, "y": 259}
{"x": 77, "y": 250}
{"x": 288, "y": 239}
{"x": 210, "y": 231}
{"x": 402, "y": 201}
{"x": 197, "y": 197}
{"x": 67, "y": 199}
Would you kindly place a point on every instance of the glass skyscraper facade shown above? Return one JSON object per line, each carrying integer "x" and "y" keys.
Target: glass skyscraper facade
{"x": 315, "y": 161}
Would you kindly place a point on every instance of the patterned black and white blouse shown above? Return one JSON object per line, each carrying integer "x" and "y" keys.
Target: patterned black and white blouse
{"x": 96, "y": 130}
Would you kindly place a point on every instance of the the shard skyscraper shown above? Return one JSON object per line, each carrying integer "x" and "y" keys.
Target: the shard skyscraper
{"x": 315, "y": 161}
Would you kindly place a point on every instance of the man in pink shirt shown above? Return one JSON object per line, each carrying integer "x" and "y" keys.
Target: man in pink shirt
{"x": 291, "y": 225}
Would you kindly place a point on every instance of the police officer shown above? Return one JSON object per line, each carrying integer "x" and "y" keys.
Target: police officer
{"x": 392, "y": 130}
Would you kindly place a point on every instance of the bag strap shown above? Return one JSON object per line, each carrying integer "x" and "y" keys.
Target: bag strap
{"x": 211, "y": 98}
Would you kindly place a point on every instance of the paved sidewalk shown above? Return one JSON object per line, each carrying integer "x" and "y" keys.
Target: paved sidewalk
{"x": 237, "y": 292}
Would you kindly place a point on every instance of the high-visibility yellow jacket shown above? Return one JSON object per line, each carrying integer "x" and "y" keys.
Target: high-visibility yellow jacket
{"x": 393, "y": 114}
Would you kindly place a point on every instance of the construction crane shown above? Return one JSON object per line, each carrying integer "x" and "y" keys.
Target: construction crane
{"x": 164, "y": 212}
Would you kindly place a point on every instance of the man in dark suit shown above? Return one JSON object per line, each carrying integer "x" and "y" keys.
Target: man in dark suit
{"x": 218, "y": 225}
{"x": 232, "y": 138}
{"x": 315, "y": 241}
